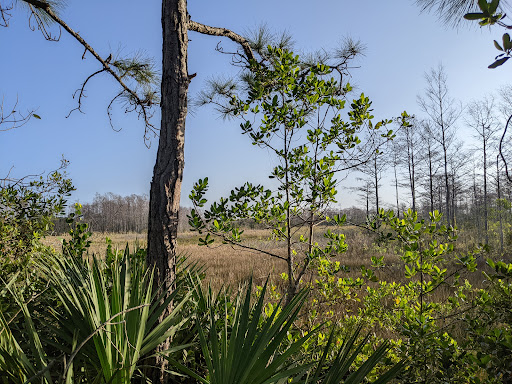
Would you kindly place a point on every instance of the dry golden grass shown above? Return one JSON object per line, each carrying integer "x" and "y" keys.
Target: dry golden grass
{"x": 226, "y": 265}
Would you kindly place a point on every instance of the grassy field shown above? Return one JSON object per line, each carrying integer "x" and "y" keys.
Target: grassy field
{"x": 227, "y": 265}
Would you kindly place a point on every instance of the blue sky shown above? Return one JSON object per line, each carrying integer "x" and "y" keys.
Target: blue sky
{"x": 401, "y": 45}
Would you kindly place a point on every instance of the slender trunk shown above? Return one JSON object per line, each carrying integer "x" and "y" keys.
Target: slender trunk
{"x": 445, "y": 154}
{"x": 431, "y": 179}
{"x": 396, "y": 189}
{"x": 410, "y": 164}
{"x": 376, "y": 183}
{"x": 453, "y": 204}
{"x": 413, "y": 181}
{"x": 447, "y": 183}
{"x": 499, "y": 203}
{"x": 476, "y": 206}
{"x": 367, "y": 200}
{"x": 292, "y": 284}
{"x": 168, "y": 171}
{"x": 486, "y": 218}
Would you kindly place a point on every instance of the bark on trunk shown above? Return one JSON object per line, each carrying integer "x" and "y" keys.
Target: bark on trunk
{"x": 168, "y": 170}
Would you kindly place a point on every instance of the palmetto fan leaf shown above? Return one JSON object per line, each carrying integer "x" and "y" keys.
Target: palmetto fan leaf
{"x": 17, "y": 365}
{"x": 115, "y": 327}
{"x": 246, "y": 351}
{"x": 339, "y": 370}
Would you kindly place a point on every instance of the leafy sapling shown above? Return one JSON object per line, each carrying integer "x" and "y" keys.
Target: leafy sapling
{"x": 299, "y": 107}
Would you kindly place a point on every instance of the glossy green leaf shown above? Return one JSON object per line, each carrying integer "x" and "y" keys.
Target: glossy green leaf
{"x": 474, "y": 16}
{"x": 498, "y": 62}
{"x": 506, "y": 42}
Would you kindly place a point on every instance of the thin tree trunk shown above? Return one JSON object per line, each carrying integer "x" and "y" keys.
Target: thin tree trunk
{"x": 410, "y": 164}
{"x": 168, "y": 171}
{"x": 367, "y": 200}
{"x": 431, "y": 180}
{"x": 447, "y": 184}
{"x": 396, "y": 189}
{"x": 453, "y": 204}
{"x": 376, "y": 183}
{"x": 499, "y": 203}
{"x": 476, "y": 206}
{"x": 486, "y": 218}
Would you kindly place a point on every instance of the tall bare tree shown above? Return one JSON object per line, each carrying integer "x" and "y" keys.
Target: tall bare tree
{"x": 373, "y": 170}
{"x": 429, "y": 161}
{"x": 408, "y": 137}
{"x": 394, "y": 158}
{"x": 481, "y": 117}
{"x": 443, "y": 112}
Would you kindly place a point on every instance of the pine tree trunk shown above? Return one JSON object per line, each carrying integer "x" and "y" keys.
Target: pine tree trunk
{"x": 168, "y": 171}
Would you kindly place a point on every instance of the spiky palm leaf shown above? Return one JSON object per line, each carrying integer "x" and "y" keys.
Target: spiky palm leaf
{"x": 17, "y": 365}
{"x": 246, "y": 351}
{"x": 115, "y": 327}
{"x": 339, "y": 370}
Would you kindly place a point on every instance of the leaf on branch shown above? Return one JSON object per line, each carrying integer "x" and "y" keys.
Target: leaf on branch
{"x": 474, "y": 16}
{"x": 498, "y": 62}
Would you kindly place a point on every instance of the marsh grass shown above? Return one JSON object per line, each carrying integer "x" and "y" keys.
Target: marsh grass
{"x": 230, "y": 266}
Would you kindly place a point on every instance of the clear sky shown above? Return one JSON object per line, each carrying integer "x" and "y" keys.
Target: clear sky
{"x": 401, "y": 45}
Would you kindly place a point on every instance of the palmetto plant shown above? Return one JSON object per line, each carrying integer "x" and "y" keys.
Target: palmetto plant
{"x": 17, "y": 365}
{"x": 104, "y": 329}
{"x": 248, "y": 348}
{"x": 339, "y": 370}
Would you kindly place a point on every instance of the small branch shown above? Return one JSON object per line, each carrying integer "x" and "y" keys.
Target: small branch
{"x": 109, "y": 109}
{"x": 13, "y": 119}
{"x": 233, "y": 243}
{"x": 45, "y": 369}
{"x": 82, "y": 92}
{"x": 501, "y": 151}
{"x": 5, "y": 15}
{"x": 215, "y": 31}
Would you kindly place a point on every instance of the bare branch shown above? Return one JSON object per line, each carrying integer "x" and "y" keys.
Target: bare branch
{"x": 215, "y": 31}
{"x": 82, "y": 92}
{"x": 5, "y": 15}
{"x": 13, "y": 118}
{"x": 501, "y": 149}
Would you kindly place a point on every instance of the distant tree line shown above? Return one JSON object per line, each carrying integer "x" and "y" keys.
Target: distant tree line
{"x": 119, "y": 214}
